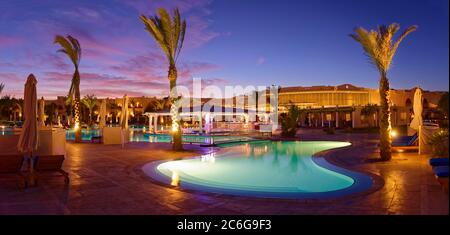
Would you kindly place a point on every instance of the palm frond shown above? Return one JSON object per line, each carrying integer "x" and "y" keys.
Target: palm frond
{"x": 66, "y": 48}
{"x": 167, "y": 31}
{"x": 378, "y": 46}
{"x": 181, "y": 39}
{"x": 409, "y": 30}
{"x": 76, "y": 47}
{"x": 153, "y": 29}
{"x": 89, "y": 101}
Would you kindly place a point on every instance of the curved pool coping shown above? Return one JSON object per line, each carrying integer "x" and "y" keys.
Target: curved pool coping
{"x": 363, "y": 182}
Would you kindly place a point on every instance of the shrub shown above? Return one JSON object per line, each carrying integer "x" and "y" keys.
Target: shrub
{"x": 439, "y": 142}
{"x": 289, "y": 123}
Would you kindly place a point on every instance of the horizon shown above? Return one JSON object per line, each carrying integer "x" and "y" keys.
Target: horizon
{"x": 120, "y": 57}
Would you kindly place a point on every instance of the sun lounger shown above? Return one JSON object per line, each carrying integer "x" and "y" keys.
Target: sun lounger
{"x": 50, "y": 164}
{"x": 11, "y": 165}
{"x": 96, "y": 138}
{"x": 442, "y": 161}
{"x": 405, "y": 143}
{"x": 441, "y": 173}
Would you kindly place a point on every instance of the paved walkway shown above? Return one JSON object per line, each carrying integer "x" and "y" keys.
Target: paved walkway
{"x": 109, "y": 180}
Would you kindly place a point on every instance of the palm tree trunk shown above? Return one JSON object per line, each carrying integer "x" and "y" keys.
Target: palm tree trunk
{"x": 90, "y": 117}
{"x": 176, "y": 129}
{"x": 385, "y": 119}
{"x": 77, "y": 107}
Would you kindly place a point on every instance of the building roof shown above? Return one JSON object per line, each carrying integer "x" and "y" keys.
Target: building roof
{"x": 343, "y": 87}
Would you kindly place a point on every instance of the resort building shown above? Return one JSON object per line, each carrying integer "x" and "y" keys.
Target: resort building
{"x": 341, "y": 106}
{"x": 321, "y": 106}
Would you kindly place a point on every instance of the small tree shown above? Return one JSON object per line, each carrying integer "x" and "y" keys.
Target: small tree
{"x": 89, "y": 101}
{"x": 443, "y": 104}
{"x": 289, "y": 123}
{"x": 439, "y": 142}
{"x": 369, "y": 111}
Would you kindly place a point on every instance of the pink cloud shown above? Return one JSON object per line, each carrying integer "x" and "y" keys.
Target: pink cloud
{"x": 6, "y": 41}
{"x": 198, "y": 33}
{"x": 81, "y": 13}
{"x": 261, "y": 60}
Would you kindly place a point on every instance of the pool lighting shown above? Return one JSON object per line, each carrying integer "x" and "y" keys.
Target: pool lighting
{"x": 175, "y": 179}
{"x": 393, "y": 133}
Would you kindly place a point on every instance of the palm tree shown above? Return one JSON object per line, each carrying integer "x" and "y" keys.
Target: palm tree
{"x": 90, "y": 101}
{"x": 71, "y": 47}
{"x": 169, "y": 34}
{"x": 378, "y": 45}
{"x": 1, "y": 87}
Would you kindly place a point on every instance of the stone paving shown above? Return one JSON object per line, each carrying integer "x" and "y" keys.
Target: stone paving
{"x": 109, "y": 180}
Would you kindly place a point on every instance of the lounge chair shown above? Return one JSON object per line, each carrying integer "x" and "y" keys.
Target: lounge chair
{"x": 50, "y": 164}
{"x": 98, "y": 138}
{"x": 406, "y": 143}
{"x": 441, "y": 161}
{"x": 441, "y": 173}
{"x": 12, "y": 165}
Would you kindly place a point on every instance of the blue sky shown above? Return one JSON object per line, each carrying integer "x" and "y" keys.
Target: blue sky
{"x": 229, "y": 42}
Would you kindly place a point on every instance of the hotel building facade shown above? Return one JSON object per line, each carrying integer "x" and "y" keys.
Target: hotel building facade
{"x": 321, "y": 106}
{"x": 341, "y": 106}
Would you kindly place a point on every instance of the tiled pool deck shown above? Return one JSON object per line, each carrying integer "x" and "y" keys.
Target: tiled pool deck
{"x": 109, "y": 180}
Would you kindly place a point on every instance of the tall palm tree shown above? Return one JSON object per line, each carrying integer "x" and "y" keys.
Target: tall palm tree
{"x": 71, "y": 47}
{"x": 169, "y": 33}
{"x": 90, "y": 101}
{"x": 379, "y": 46}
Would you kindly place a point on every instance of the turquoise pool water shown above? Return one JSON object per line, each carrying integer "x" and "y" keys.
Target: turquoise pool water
{"x": 165, "y": 138}
{"x": 140, "y": 136}
{"x": 86, "y": 135}
{"x": 263, "y": 169}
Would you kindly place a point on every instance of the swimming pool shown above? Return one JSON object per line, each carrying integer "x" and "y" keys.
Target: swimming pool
{"x": 140, "y": 136}
{"x": 263, "y": 169}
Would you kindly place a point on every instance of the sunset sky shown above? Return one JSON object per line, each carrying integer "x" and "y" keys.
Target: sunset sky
{"x": 228, "y": 42}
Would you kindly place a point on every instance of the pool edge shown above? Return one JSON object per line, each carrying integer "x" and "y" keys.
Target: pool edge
{"x": 358, "y": 188}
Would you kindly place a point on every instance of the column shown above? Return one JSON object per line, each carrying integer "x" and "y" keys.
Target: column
{"x": 309, "y": 120}
{"x": 353, "y": 119}
{"x": 337, "y": 119}
{"x": 150, "y": 119}
{"x": 155, "y": 123}
{"x": 321, "y": 118}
